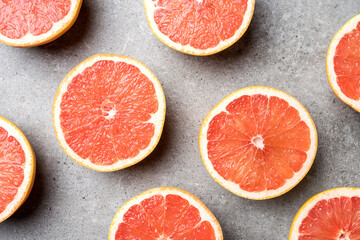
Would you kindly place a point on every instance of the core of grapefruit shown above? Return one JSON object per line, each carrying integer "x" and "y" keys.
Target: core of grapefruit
{"x": 343, "y": 63}
{"x": 330, "y": 215}
{"x": 17, "y": 168}
{"x": 109, "y": 112}
{"x": 199, "y": 27}
{"x": 165, "y": 214}
{"x": 28, "y": 23}
{"x": 258, "y": 142}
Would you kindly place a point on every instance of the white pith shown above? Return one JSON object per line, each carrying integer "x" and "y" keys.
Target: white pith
{"x": 28, "y": 169}
{"x": 205, "y": 213}
{"x": 29, "y": 39}
{"x": 150, "y": 10}
{"x": 111, "y": 114}
{"x": 235, "y": 188}
{"x": 157, "y": 118}
{"x": 348, "y": 27}
{"x": 258, "y": 142}
{"x": 326, "y": 195}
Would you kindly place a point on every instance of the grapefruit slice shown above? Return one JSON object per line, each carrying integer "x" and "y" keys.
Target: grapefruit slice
{"x": 199, "y": 27}
{"x": 29, "y": 23}
{"x": 343, "y": 63}
{"x": 17, "y": 168}
{"x": 258, "y": 142}
{"x": 109, "y": 112}
{"x": 330, "y": 215}
{"x": 165, "y": 214}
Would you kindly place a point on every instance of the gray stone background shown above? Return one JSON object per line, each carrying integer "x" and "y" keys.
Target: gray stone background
{"x": 285, "y": 47}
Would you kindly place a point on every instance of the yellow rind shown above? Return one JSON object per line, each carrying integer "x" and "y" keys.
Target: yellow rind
{"x": 51, "y": 38}
{"x": 317, "y": 196}
{"x": 33, "y": 170}
{"x": 224, "y": 100}
{"x": 201, "y": 54}
{"x": 331, "y": 46}
{"x": 66, "y": 79}
{"x": 154, "y": 191}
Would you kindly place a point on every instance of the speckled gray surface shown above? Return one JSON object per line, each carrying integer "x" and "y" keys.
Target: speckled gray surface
{"x": 285, "y": 47}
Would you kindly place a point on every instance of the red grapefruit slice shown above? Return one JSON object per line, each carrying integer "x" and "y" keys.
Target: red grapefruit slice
{"x": 165, "y": 214}
{"x": 258, "y": 142}
{"x": 330, "y": 215}
{"x": 109, "y": 112}
{"x": 343, "y": 63}
{"x": 17, "y": 168}
{"x": 199, "y": 27}
{"x": 28, "y": 23}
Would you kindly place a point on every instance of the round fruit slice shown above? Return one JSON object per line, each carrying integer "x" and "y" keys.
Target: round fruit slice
{"x": 199, "y": 27}
{"x": 258, "y": 142}
{"x": 29, "y": 23}
{"x": 165, "y": 213}
{"x": 330, "y": 215}
{"x": 109, "y": 112}
{"x": 343, "y": 63}
{"x": 17, "y": 168}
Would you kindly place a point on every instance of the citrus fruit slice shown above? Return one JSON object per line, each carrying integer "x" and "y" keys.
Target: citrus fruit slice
{"x": 28, "y": 23}
{"x": 17, "y": 168}
{"x": 165, "y": 214}
{"x": 109, "y": 112}
{"x": 330, "y": 215}
{"x": 343, "y": 63}
{"x": 258, "y": 142}
{"x": 199, "y": 27}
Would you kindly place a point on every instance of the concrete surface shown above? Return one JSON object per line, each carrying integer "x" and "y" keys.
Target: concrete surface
{"x": 285, "y": 47}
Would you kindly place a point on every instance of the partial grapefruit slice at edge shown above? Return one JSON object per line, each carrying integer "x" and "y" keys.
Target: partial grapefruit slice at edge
{"x": 150, "y": 9}
{"x": 336, "y": 193}
{"x": 57, "y": 30}
{"x": 205, "y": 213}
{"x": 330, "y": 68}
{"x": 29, "y": 169}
